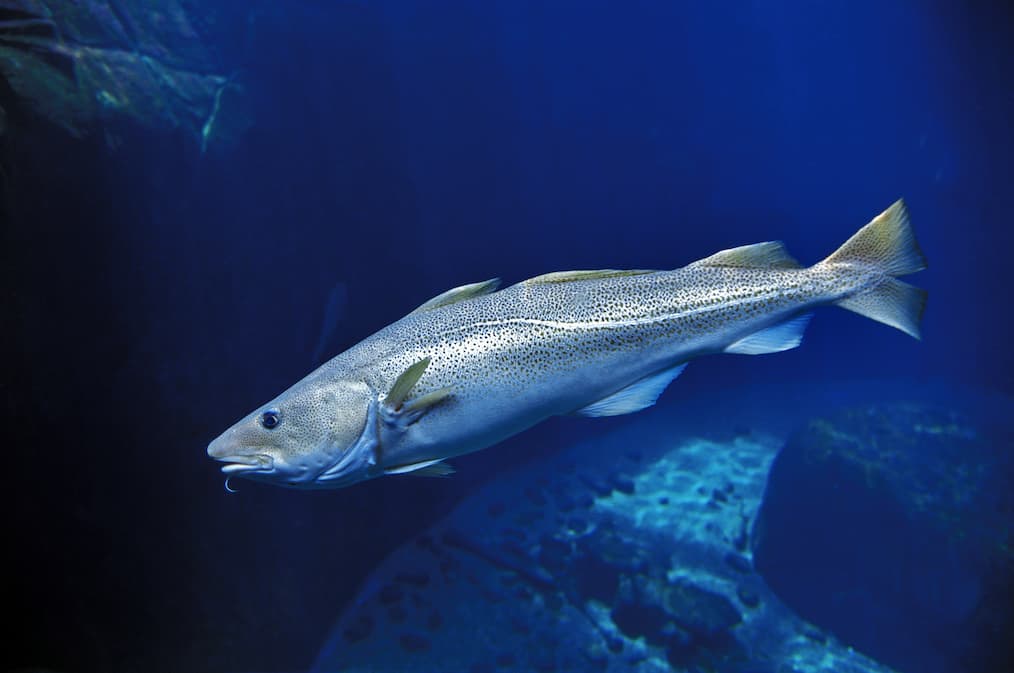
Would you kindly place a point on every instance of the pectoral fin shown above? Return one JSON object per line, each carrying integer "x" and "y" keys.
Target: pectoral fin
{"x": 397, "y": 410}
{"x": 404, "y": 383}
{"x": 634, "y": 397}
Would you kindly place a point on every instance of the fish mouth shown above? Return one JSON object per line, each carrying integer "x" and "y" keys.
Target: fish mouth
{"x": 245, "y": 464}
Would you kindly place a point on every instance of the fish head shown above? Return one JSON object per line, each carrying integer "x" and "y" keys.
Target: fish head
{"x": 300, "y": 437}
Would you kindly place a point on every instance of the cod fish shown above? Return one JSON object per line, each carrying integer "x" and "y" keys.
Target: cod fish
{"x": 476, "y": 365}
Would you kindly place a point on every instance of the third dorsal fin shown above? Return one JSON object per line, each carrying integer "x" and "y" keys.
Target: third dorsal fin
{"x": 767, "y": 255}
{"x": 591, "y": 274}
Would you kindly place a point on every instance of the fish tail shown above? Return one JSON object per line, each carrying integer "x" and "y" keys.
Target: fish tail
{"x": 886, "y": 245}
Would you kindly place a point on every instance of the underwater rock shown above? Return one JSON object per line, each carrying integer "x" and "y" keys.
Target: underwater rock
{"x": 553, "y": 554}
{"x": 396, "y": 613}
{"x": 360, "y": 628}
{"x": 505, "y": 660}
{"x": 565, "y": 503}
{"x": 701, "y": 612}
{"x": 535, "y": 496}
{"x": 637, "y": 586}
{"x": 738, "y": 563}
{"x": 623, "y": 484}
{"x": 600, "y": 485}
{"x": 96, "y": 66}
{"x": 413, "y": 642}
{"x": 577, "y": 524}
{"x": 636, "y": 620}
{"x": 595, "y": 579}
{"x": 390, "y": 593}
{"x": 878, "y": 513}
{"x": 748, "y": 597}
{"x": 416, "y": 579}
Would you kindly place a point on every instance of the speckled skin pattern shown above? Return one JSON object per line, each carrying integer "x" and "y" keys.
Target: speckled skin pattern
{"x": 534, "y": 350}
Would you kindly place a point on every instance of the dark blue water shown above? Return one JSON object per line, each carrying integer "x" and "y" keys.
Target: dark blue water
{"x": 154, "y": 293}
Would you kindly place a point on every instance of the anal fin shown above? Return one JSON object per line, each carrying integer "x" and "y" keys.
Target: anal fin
{"x": 637, "y": 396}
{"x": 426, "y": 468}
{"x": 781, "y": 337}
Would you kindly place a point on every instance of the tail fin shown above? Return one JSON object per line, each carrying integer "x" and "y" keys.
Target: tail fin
{"x": 888, "y": 245}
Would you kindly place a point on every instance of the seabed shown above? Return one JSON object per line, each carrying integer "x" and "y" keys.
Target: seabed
{"x": 629, "y": 552}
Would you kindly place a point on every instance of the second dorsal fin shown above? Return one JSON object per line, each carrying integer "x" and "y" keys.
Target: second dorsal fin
{"x": 590, "y": 274}
{"x": 456, "y": 294}
{"x": 767, "y": 255}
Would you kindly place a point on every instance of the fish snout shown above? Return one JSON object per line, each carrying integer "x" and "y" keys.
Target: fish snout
{"x": 223, "y": 446}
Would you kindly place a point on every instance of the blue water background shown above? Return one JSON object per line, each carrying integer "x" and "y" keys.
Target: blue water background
{"x": 397, "y": 150}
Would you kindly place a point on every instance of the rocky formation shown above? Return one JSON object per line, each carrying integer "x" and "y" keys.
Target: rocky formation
{"x": 628, "y": 553}
{"x": 891, "y": 526}
{"x": 102, "y": 65}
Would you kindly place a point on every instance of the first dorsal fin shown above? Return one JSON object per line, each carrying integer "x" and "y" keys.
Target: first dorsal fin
{"x": 456, "y": 294}
{"x": 767, "y": 255}
{"x": 590, "y": 274}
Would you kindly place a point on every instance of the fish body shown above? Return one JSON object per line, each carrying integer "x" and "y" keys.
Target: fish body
{"x": 475, "y": 365}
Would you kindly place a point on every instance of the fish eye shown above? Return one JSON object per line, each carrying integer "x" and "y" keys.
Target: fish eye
{"x": 270, "y": 419}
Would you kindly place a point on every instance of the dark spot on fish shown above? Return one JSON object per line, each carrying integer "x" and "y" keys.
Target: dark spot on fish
{"x": 719, "y": 496}
{"x": 663, "y": 500}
